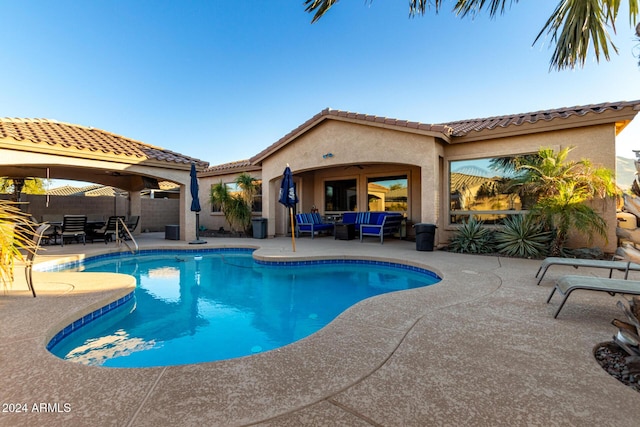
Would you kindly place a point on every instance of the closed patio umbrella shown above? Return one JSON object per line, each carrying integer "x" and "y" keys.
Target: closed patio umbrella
{"x": 195, "y": 203}
{"x": 289, "y": 198}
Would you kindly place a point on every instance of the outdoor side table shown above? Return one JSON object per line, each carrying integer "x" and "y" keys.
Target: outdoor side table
{"x": 345, "y": 231}
{"x": 172, "y": 232}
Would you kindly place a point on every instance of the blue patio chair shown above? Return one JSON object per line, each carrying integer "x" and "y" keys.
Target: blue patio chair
{"x": 311, "y": 223}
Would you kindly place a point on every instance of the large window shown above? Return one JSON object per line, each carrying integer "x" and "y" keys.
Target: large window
{"x": 485, "y": 188}
{"x": 389, "y": 193}
{"x": 340, "y": 195}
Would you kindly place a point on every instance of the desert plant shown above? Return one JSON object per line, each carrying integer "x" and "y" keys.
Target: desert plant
{"x": 15, "y": 229}
{"x": 248, "y": 187}
{"x": 566, "y": 210}
{"x": 236, "y": 207}
{"x": 563, "y": 188}
{"x": 522, "y": 236}
{"x": 29, "y": 186}
{"x": 472, "y": 237}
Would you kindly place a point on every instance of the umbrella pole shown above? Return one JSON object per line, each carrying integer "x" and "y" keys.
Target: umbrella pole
{"x": 293, "y": 230}
{"x": 197, "y": 225}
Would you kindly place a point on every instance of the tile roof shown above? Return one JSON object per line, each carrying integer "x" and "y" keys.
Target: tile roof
{"x": 463, "y": 127}
{"x": 449, "y": 130}
{"x": 240, "y": 165}
{"x": 90, "y": 190}
{"x": 347, "y": 115}
{"x": 101, "y": 190}
{"x": 86, "y": 141}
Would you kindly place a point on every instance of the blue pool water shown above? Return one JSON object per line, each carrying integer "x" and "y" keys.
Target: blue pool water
{"x": 216, "y": 305}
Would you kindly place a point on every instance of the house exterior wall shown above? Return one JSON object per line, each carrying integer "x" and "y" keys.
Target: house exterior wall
{"x": 208, "y": 218}
{"x": 596, "y": 143}
{"x": 376, "y": 149}
{"x": 359, "y": 152}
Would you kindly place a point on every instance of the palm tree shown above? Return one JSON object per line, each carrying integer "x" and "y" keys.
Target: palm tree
{"x": 236, "y": 207}
{"x": 574, "y": 25}
{"x": 28, "y": 186}
{"x": 563, "y": 189}
{"x": 220, "y": 198}
{"x": 248, "y": 187}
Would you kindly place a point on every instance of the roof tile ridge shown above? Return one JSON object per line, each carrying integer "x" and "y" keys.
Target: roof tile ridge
{"x": 584, "y": 109}
{"x": 381, "y": 119}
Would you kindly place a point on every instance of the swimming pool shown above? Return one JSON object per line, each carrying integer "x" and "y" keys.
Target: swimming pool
{"x": 193, "y": 307}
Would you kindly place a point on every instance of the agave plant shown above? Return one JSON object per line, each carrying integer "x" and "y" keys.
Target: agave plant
{"x": 473, "y": 238}
{"x": 523, "y": 236}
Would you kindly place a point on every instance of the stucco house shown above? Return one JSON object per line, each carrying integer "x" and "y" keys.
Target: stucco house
{"x": 432, "y": 173}
{"x": 342, "y": 161}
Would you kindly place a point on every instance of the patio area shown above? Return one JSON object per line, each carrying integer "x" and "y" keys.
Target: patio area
{"x": 479, "y": 348}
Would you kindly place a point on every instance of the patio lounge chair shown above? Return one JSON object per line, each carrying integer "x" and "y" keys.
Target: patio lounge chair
{"x": 74, "y": 226}
{"x": 568, "y": 284}
{"x": 37, "y": 237}
{"x": 593, "y": 263}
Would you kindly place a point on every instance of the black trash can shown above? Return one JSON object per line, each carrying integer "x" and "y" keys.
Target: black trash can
{"x": 259, "y": 228}
{"x": 425, "y": 236}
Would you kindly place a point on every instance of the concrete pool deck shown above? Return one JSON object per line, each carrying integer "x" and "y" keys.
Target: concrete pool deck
{"x": 479, "y": 348}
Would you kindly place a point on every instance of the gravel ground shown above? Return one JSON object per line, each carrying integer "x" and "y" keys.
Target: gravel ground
{"x": 612, "y": 359}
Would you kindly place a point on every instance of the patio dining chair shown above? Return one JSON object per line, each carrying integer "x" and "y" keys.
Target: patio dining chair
{"x": 132, "y": 223}
{"x": 106, "y": 232}
{"x": 74, "y": 226}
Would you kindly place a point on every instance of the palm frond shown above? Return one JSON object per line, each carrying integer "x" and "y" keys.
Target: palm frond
{"x": 320, "y": 7}
{"x": 474, "y": 7}
{"x": 575, "y": 25}
{"x": 16, "y": 229}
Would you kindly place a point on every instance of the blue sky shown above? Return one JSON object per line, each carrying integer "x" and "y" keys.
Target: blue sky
{"x": 222, "y": 80}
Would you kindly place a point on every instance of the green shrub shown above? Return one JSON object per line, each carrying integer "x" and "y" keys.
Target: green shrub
{"x": 472, "y": 238}
{"x": 522, "y": 236}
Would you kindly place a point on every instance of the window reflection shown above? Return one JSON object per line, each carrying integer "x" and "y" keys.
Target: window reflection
{"x": 388, "y": 193}
{"x": 235, "y": 190}
{"x": 485, "y": 188}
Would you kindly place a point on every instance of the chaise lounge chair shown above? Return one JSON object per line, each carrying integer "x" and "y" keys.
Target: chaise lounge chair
{"x": 568, "y": 284}
{"x": 593, "y": 263}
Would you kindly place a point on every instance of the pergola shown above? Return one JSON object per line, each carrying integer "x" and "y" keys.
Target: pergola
{"x": 50, "y": 149}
